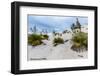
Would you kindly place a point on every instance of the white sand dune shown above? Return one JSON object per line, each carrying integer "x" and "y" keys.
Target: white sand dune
{"x": 63, "y": 51}
{"x": 48, "y": 51}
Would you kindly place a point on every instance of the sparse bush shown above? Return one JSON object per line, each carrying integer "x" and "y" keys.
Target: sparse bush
{"x": 45, "y": 36}
{"x": 34, "y": 39}
{"x": 85, "y": 43}
{"x": 57, "y": 41}
{"x": 80, "y": 40}
{"x": 35, "y": 43}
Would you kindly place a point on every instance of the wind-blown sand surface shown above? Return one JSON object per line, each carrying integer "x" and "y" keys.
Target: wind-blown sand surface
{"x": 48, "y": 51}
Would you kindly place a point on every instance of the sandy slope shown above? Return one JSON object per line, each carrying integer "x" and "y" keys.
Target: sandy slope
{"x": 48, "y": 51}
{"x": 63, "y": 51}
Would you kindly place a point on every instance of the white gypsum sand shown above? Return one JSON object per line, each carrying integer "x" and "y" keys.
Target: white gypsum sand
{"x": 61, "y": 51}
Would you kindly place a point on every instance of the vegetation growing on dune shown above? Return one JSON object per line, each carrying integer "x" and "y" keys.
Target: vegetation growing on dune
{"x": 80, "y": 41}
{"x": 45, "y": 37}
{"x": 57, "y": 41}
{"x": 35, "y": 39}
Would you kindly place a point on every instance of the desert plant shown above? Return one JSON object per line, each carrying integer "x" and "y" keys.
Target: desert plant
{"x": 80, "y": 40}
{"x": 72, "y": 26}
{"x": 57, "y": 41}
{"x": 35, "y": 39}
{"x": 45, "y": 36}
{"x": 37, "y": 42}
{"x": 85, "y": 43}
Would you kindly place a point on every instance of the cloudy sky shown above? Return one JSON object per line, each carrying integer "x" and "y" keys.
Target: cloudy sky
{"x": 57, "y": 23}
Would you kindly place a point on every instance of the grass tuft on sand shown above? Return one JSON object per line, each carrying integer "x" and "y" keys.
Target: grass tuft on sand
{"x": 36, "y": 39}
{"x": 80, "y": 41}
{"x": 57, "y": 41}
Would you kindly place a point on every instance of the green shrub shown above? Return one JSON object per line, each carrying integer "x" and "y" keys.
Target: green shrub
{"x": 35, "y": 39}
{"x": 45, "y": 36}
{"x": 57, "y": 41}
{"x": 80, "y": 40}
{"x": 37, "y": 42}
{"x": 85, "y": 43}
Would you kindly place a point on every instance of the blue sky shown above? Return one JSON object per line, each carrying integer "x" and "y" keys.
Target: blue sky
{"x": 57, "y": 23}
